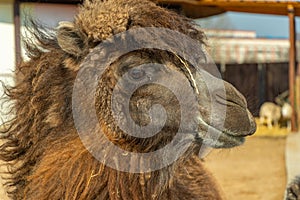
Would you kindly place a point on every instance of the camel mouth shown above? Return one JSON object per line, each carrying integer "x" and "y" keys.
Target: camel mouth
{"x": 217, "y": 138}
{"x": 232, "y": 140}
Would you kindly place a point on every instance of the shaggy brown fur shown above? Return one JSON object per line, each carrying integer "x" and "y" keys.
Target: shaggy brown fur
{"x": 46, "y": 157}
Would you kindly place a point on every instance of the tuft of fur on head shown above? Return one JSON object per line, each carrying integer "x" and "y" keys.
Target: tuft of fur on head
{"x": 100, "y": 20}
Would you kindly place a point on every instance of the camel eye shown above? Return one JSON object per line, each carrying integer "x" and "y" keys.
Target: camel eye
{"x": 137, "y": 73}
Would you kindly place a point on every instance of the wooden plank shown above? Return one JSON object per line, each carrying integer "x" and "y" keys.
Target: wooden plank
{"x": 240, "y": 76}
{"x": 298, "y": 96}
{"x": 298, "y": 100}
{"x": 54, "y": 1}
{"x": 277, "y": 80}
{"x": 250, "y": 6}
{"x": 204, "y": 8}
{"x": 17, "y": 32}
{"x": 292, "y": 63}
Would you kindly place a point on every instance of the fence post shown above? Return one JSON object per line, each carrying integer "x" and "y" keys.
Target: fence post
{"x": 292, "y": 63}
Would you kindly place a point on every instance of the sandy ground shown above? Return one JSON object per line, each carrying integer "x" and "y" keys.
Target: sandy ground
{"x": 254, "y": 171}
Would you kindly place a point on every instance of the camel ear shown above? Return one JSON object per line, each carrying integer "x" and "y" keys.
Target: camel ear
{"x": 70, "y": 39}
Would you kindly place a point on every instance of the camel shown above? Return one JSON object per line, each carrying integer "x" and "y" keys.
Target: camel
{"x": 50, "y": 157}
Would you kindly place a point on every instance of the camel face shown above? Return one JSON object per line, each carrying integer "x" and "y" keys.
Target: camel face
{"x": 216, "y": 113}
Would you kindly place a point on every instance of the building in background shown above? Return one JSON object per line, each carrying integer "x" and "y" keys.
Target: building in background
{"x": 258, "y": 67}
{"x": 47, "y": 14}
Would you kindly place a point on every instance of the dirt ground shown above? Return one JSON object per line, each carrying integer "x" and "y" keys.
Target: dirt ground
{"x": 254, "y": 171}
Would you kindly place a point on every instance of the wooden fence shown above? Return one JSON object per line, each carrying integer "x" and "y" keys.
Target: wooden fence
{"x": 258, "y": 82}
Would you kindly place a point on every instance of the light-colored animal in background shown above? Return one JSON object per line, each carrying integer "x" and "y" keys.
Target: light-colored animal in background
{"x": 286, "y": 115}
{"x": 271, "y": 113}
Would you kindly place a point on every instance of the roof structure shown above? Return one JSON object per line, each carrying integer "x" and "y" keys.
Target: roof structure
{"x": 249, "y": 50}
{"x": 193, "y": 8}
{"x": 204, "y": 8}
{"x": 54, "y": 1}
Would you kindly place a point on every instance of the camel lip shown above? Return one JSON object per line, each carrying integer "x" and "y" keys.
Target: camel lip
{"x": 228, "y": 141}
{"x": 234, "y": 140}
{"x": 222, "y": 138}
{"x": 230, "y": 134}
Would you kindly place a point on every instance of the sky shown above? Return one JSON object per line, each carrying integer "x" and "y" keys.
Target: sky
{"x": 270, "y": 26}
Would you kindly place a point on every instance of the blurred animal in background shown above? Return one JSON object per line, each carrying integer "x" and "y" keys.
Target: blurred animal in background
{"x": 277, "y": 114}
{"x": 286, "y": 115}
{"x": 286, "y": 109}
{"x": 270, "y": 114}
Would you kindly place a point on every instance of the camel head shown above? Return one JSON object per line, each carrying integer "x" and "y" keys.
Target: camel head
{"x": 144, "y": 95}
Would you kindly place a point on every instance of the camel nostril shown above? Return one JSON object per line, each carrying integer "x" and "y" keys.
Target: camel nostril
{"x": 231, "y": 98}
{"x": 231, "y": 95}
